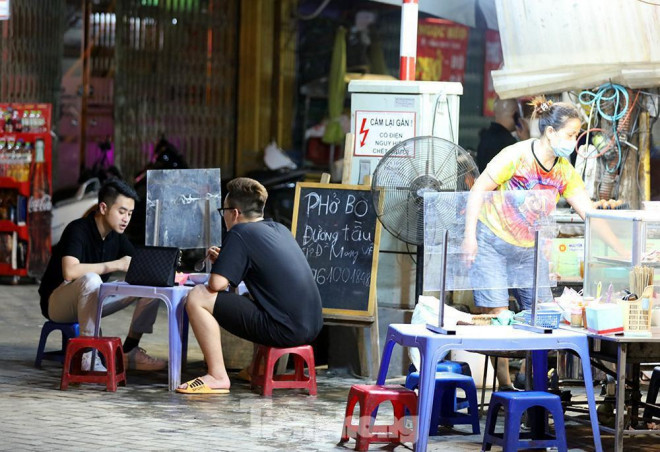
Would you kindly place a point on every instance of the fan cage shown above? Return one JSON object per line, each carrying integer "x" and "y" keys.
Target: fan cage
{"x": 410, "y": 169}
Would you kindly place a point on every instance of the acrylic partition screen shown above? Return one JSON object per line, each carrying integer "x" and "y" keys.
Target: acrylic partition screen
{"x": 177, "y": 208}
{"x": 505, "y": 235}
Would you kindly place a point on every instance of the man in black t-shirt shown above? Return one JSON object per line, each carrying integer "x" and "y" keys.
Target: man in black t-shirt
{"x": 286, "y": 307}
{"x": 90, "y": 249}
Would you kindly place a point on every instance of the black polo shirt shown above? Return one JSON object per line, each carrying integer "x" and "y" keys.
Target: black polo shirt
{"x": 82, "y": 240}
{"x": 268, "y": 259}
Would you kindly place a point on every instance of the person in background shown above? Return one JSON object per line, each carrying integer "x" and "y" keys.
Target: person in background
{"x": 90, "y": 249}
{"x": 285, "y": 308}
{"x": 491, "y": 237}
{"x": 498, "y": 136}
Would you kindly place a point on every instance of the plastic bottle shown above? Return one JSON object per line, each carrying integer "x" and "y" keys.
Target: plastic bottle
{"x": 16, "y": 119}
{"x": 3, "y": 149}
{"x": 25, "y": 121}
{"x": 26, "y": 161}
{"x": 9, "y": 125}
{"x": 14, "y": 158}
{"x": 39, "y": 122}
{"x": 33, "y": 121}
{"x": 39, "y": 214}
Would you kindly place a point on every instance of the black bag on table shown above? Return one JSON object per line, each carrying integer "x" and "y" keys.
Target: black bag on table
{"x": 154, "y": 266}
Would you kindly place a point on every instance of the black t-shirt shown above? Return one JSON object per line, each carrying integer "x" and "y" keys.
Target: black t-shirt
{"x": 491, "y": 142}
{"x": 82, "y": 240}
{"x": 267, "y": 258}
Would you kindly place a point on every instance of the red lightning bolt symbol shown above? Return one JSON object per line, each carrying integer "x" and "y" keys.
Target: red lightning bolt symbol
{"x": 363, "y": 131}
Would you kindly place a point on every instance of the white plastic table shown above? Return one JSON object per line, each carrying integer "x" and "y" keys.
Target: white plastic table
{"x": 174, "y": 298}
{"x": 433, "y": 347}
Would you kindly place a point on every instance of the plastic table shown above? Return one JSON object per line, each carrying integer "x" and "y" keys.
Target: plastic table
{"x": 624, "y": 350}
{"x": 433, "y": 347}
{"x": 174, "y": 298}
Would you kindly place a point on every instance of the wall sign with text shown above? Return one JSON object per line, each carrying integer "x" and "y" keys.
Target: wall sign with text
{"x": 378, "y": 131}
{"x": 339, "y": 233}
{"x": 441, "y": 50}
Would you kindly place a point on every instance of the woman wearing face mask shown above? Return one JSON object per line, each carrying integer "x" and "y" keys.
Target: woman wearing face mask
{"x": 534, "y": 164}
{"x": 498, "y": 237}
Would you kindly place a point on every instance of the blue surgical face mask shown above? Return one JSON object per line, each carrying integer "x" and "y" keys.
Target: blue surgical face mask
{"x": 565, "y": 148}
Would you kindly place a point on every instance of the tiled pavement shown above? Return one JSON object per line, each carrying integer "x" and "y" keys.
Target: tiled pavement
{"x": 36, "y": 415}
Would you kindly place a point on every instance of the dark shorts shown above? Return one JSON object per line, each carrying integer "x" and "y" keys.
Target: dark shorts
{"x": 244, "y": 318}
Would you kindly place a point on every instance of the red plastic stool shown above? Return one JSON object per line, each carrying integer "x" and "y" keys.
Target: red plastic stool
{"x": 109, "y": 347}
{"x": 369, "y": 397}
{"x": 303, "y": 354}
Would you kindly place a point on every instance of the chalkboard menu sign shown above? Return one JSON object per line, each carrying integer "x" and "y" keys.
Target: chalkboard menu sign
{"x": 338, "y": 230}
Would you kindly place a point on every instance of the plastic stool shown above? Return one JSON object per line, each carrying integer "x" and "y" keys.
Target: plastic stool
{"x": 369, "y": 397}
{"x": 412, "y": 380}
{"x": 514, "y": 405}
{"x": 303, "y": 354}
{"x": 109, "y": 347}
{"x": 68, "y": 330}
{"x": 448, "y": 366}
{"x": 652, "y": 395}
{"x": 445, "y": 402}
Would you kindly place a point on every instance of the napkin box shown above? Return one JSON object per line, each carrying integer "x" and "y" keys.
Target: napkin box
{"x": 606, "y": 318}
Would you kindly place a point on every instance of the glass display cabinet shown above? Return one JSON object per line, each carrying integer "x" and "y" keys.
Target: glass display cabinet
{"x": 615, "y": 242}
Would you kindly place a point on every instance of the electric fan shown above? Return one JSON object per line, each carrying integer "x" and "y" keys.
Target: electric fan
{"x": 407, "y": 171}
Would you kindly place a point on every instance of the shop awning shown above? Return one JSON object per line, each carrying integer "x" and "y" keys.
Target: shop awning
{"x": 565, "y": 44}
{"x": 575, "y": 44}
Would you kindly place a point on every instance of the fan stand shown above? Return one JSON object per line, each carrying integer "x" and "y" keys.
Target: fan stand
{"x": 533, "y": 327}
{"x": 419, "y": 273}
{"x": 440, "y": 328}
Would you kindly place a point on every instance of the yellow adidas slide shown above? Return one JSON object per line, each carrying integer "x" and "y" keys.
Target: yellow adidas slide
{"x": 197, "y": 386}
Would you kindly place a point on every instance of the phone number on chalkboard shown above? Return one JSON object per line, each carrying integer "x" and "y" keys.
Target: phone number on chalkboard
{"x": 341, "y": 274}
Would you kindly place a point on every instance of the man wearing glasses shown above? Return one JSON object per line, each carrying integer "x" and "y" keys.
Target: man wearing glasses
{"x": 285, "y": 309}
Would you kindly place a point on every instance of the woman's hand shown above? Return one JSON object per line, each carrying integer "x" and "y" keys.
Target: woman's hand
{"x": 469, "y": 248}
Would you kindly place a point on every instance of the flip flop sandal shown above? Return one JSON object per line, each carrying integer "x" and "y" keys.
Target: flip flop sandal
{"x": 197, "y": 386}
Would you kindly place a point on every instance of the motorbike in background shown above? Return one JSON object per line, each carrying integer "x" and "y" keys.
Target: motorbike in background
{"x": 67, "y": 208}
{"x": 75, "y": 202}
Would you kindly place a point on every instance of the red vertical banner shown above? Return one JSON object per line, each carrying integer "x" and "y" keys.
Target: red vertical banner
{"x": 493, "y": 61}
{"x": 441, "y": 50}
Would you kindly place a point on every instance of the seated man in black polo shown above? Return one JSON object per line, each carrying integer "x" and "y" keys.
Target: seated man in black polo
{"x": 286, "y": 310}
{"x": 90, "y": 249}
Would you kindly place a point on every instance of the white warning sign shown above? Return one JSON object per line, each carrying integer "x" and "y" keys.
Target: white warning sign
{"x": 377, "y": 131}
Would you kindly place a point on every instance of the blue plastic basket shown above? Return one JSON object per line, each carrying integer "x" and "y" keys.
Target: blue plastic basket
{"x": 544, "y": 319}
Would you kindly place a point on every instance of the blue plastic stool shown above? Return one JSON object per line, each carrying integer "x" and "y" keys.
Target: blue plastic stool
{"x": 68, "y": 330}
{"x": 447, "y": 366}
{"x": 412, "y": 380}
{"x": 514, "y": 405}
{"x": 445, "y": 402}
{"x": 652, "y": 395}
